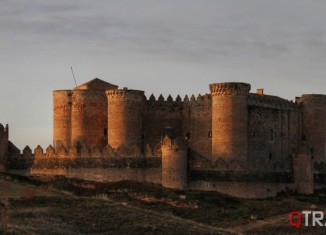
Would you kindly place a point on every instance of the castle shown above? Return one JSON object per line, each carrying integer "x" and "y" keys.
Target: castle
{"x": 230, "y": 140}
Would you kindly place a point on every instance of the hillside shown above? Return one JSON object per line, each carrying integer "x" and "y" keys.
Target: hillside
{"x": 62, "y": 206}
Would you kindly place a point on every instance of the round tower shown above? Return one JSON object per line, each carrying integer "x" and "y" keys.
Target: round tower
{"x": 61, "y": 118}
{"x": 174, "y": 163}
{"x": 89, "y": 117}
{"x": 229, "y": 120}
{"x": 124, "y": 117}
{"x": 313, "y": 124}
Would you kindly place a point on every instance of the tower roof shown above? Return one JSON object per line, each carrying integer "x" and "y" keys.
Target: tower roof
{"x": 96, "y": 84}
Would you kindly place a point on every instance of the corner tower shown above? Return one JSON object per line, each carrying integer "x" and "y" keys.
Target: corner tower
{"x": 81, "y": 114}
{"x": 229, "y": 120}
{"x": 174, "y": 163}
{"x": 124, "y": 117}
{"x": 313, "y": 124}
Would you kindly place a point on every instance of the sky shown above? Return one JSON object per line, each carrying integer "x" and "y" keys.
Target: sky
{"x": 159, "y": 46}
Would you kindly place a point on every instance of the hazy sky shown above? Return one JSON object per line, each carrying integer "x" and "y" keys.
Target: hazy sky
{"x": 160, "y": 46}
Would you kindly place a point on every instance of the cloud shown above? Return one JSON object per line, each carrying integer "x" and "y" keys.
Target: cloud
{"x": 193, "y": 32}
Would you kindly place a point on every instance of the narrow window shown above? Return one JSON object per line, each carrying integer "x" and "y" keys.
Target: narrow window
{"x": 271, "y": 137}
{"x": 283, "y": 137}
{"x": 210, "y": 134}
{"x": 105, "y": 132}
{"x": 188, "y": 136}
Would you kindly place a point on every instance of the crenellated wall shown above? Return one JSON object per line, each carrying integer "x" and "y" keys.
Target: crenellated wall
{"x": 161, "y": 117}
{"x": 197, "y": 124}
{"x": 238, "y": 143}
{"x": 273, "y": 131}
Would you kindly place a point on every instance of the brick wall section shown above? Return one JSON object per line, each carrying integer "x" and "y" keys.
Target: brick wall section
{"x": 314, "y": 125}
{"x": 81, "y": 114}
{"x": 229, "y": 120}
{"x": 62, "y": 105}
{"x": 197, "y": 122}
{"x": 89, "y": 117}
{"x": 174, "y": 163}
{"x": 303, "y": 174}
{"x": 160, "y": 117}
{"x": 273, "y": 131}
{"x": 242, "y": 189}
{"x": 125, "y": 117}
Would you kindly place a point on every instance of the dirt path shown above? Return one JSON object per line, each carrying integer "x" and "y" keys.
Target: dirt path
{"x": 16, "y": 190}
{"x": 271, "y": 221}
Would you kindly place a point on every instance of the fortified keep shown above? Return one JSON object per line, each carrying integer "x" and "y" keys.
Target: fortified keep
{"x": 81, "y": 115}
{"x": 230, "y": 140}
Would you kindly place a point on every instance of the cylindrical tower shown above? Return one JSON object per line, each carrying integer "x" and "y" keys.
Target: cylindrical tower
{"x": 61, "y": 118}
{"x": 174, "y": 163}
{"x": 229, "y": 120}
{"x": 124, "y": 117}
{"x": 89, "y": 117}
{"x": 313, "y": 124}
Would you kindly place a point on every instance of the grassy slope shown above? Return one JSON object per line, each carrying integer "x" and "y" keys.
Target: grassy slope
{"x": 151, "y": 210}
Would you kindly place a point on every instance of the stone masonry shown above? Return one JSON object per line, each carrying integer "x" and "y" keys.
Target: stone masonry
{"x": 229, "y": 140}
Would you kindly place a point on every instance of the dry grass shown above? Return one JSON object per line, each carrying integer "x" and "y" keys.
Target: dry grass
{"x": 135, "y": 208}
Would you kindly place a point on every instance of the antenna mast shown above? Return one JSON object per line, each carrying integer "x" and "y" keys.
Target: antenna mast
{"x": 73, "y": 75}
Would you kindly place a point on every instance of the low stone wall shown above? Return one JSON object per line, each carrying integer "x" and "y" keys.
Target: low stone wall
{"x": 230, "y": 176}
{"x": 92, "y": 168}
{"x": 241, "y": 189}
{"x": 84, "y": 162}
{"x": 151, "y": 175}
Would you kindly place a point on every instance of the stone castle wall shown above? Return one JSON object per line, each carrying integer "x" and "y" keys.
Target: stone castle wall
{"x": 125, "y": 117}
{"x": 197, "y": 125}
{"x": 189, "y": 118}
{"x": 62, "y": 107}
{"x": 174, "y": 163}
{"x": 230, "y": 120}
{"x": 235, "y": 140}
{"x": 72, "y": 112}
{"x": 273, "y": 131}
{"x": 81, "y": 115}
{"x": 313, "y": 108}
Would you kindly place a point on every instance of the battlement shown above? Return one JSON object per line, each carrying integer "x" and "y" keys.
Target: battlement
{"x": 125, "y": 94}
{"x": 178, "y": 101}
{"x": 230, "y": 88}
{"x": 174, "y": 144}
{"x": 82, "y": 151}
{"x": 311, "y": 98}
{"x": 268, "y": 101}
{"x": 152, "y": 99}
{"x": 4, "y": 131}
